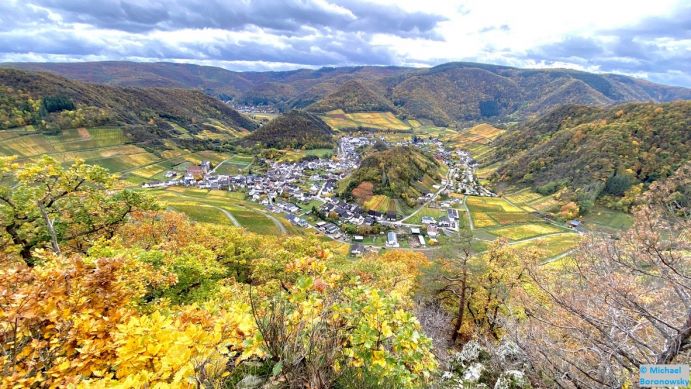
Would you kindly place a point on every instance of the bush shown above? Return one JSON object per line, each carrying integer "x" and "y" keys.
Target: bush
{"x": 618, "y": 184}
{"x": 549, "y": 188}
{"x": 57, "y": 103}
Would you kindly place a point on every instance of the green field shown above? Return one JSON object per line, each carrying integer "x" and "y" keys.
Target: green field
{"x": 382, "y": 120}
{"x": 203, "y": 214}
{"x": 498, "y": 218}
{"x": 606, "y": 220}
{"x": 552, "y": 245}
{"x": 491, "y": 211}
{"x": 524, "y": 231}
{"x": 426, "y": 211}
{"x": 249, "y": 215}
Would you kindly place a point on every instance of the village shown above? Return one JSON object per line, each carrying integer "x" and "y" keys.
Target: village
{"x": 305, "y": 192}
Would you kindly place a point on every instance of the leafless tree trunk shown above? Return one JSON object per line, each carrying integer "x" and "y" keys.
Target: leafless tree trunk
{"x": 621, "y": 302}
{"x": 51, "y": 228}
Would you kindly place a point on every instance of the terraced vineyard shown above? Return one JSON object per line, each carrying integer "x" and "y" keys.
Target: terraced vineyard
{"x": 494, "y": 218}
{"x": 338, "y": 119}
{"x": 476, "y": 140}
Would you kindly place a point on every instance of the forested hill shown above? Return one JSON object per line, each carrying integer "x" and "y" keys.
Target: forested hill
{"x": 402, "y": 172}
{"x": 295, "y": 129}
{"x": 54, "y": 103}
{"x": 597, "y": 151}
{"x": 448, "y": 93}
{"x": 353, "y": 96}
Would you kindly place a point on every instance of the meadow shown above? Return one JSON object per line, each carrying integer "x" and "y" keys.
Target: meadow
{"x": 209, "y": 205}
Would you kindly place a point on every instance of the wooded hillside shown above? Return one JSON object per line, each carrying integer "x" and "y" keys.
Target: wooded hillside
{"x": 596, "y": 151}
{"x": 296, "y": 130}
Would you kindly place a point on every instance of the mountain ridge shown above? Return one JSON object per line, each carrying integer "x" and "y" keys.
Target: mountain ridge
{"x": 455, "y": 92}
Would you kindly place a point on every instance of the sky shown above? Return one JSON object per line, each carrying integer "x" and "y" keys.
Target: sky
{"x": 645, "y": 39}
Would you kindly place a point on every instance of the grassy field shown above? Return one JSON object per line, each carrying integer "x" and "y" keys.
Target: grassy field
{"x": 606, "y": 220}
{"x": 248, "y": 214}
{"x": 107, "y": 147}
{"x": 480, "y": 134}
{"x": 476, "y": 140}
{"x": 384, "y": 120}
{"x": 426, "y": 211}
{"x": 552, "y": 245}
{"x": 199, "y": 213}
{"x": 524, "y": 231}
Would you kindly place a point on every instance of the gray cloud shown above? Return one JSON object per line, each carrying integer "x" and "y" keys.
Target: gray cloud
{"x": 645, "y": 48}
{"x": 311, "y": 33}
{"x": 279, "y": 15}
{"x": 314, "y": 50}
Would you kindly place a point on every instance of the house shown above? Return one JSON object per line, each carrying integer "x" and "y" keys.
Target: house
{"x": 415, "y": 230}
{"x": 195, "y": 172}
{"x": 447, "y": 223}
{"x": 357, "y": 249}
{"x": 432, "y": 232}
{"x": 574, "y": 223}
{"x": 452, "y": 214}
{"x": 428, "y": 220}
{"x": 392, "y": 240}
{"x": 422, "y": 240}
{"x": 391, "y": 216}
{"x": 358, "y": 238}
{"x": 154, "y": 184}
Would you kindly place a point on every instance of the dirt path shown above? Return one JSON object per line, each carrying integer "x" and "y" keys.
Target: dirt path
{"x": 277, "y": 223}
{"x": 229, "y": 216}
{"x": 467, "y": 211}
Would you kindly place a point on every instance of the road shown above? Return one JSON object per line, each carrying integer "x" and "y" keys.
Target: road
{"x": 217, "y": 166}
{"x": 448, "y": 179}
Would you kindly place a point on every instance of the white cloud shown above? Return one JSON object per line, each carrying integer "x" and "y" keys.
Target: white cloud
{"x": 632, "y": 37}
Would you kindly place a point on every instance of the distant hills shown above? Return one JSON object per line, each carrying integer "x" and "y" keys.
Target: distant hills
{"x": 295, "y": 129}
{"x": 148, "y": 115}
{"x": 453, "y": 92}
{"x": 352, "y": 96}
{"x": 594, "y": 152}
{"x": 401, "y": 172}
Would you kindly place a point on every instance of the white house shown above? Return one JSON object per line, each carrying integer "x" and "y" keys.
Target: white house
{"x": 392, "y": 240}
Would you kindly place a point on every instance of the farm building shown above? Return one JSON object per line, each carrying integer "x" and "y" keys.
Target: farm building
{"x": 452, "y": 214}
{"x": 392, "y": 239}
{"x": 357, "y": 249}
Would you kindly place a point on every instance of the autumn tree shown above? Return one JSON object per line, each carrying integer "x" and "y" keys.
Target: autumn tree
{"x": 43, "y": 204}
{"x": 618, "y": 303}
{"x": 480, "y": 288}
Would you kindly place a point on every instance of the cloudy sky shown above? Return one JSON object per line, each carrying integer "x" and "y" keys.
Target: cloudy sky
{"x": 647, "y": 39}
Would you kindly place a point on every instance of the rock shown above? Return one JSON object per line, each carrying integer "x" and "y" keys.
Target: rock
{"x": 512, "y": 379}
{"x": 473, "y": 372}
{"x": 469, "y": 354}
{"x": 250, "y": 382}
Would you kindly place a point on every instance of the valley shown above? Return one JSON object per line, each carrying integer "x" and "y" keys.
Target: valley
{"x": 304, "y": 195}
{"x": 336, "y": 220}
